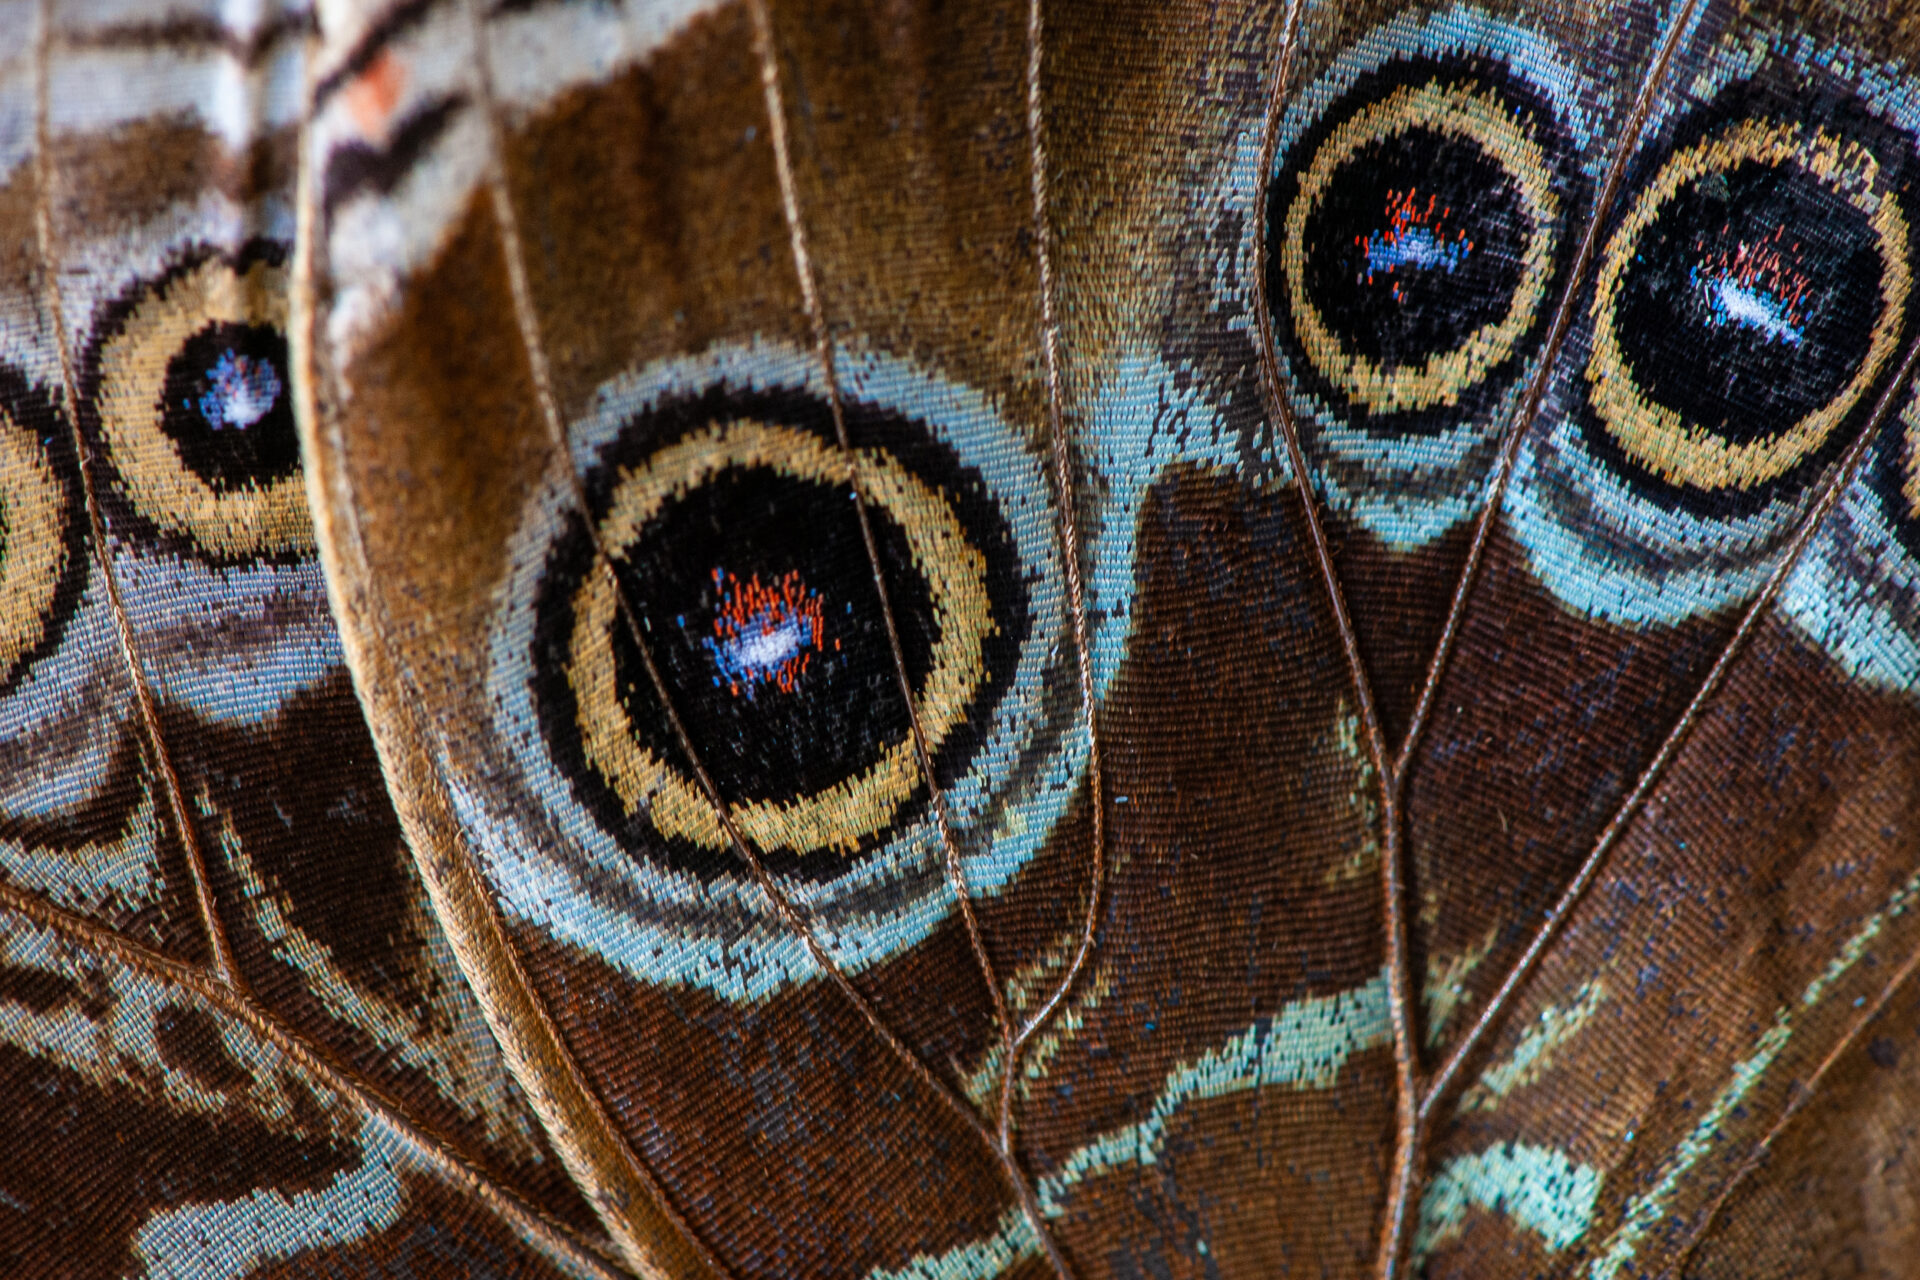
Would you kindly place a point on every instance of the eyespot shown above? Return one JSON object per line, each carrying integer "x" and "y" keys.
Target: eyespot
{"x": 1754, "y": 293}
{"x": 1749, "y": 303}
{"x": 1416, "y": 226}
{"x": 720, "y": 515}
{"x": 42, "y": 544}
{"x": 192, "y": 402}
{"x": 739, "y": 541}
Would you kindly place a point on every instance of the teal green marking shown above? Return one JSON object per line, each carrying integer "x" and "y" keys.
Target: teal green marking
{"x": 1304, "y": 1046}
{"x": 1539, "y": 1189}
{"x": 1555, "y": 1026}
{"x": 1646, "y": 1210}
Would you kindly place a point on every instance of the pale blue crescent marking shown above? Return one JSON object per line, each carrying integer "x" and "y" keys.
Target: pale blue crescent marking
{"x": 554, "y": 866}
{"x": 1417, "y": 487}
{"x": 227, "y": 1239}
{"x": 1856, "y": 594}
{"x": 231, "y": 643}
{"x": 1143, "y": 419}
{"x": 1575, "y": 516}
{"x": 1305, "y": 1046}
{"x": 1541, "y": 1190}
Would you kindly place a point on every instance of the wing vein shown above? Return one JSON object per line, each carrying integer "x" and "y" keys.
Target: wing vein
{"x": 999, "y": 1140}
{"x": 1448, "y": 1075}
{"x": 1061, "y": 459}
{"x": 220, "y": 949}
{"x": 1404, "y": 1172}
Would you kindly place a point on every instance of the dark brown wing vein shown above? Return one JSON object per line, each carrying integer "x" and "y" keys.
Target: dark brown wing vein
{"x": 998, "y": 1140}
{"x": 1537, "y": 386}
{"x": 500, "y": 975}
{"x": 1449, "y": 1073}
{"x": 823, "y": 348}
{"x": 220, "y": 950}
{"x": 1395, "y": 1236}
{"x": 1404, "y": 1177}
{"x": 311, "y": 1057}
{"x": 1063, "y": 492}
{"x": 528, "y": 326}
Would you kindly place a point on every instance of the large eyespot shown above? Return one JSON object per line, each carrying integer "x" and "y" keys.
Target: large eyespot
{"x": 193, "y": 403}
{"x": 1416, "y": 225}
{"x": 1753, "y": 295}
{"x": 734, "y": 537}
{"x": 720, "y": 534}
{"x": 42, "y": 543}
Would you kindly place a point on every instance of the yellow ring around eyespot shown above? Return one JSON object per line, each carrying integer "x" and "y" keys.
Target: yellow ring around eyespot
{"x": 1484, "y": 120}
{"x": 842, "y": 815}
{"x": 33, "y": 540}
{"x": 1657, "y": 437}
{"x": 248, "y": 521}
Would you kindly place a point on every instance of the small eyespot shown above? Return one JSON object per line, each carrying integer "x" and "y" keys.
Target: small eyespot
{"x": 1750, "y": 299}
{"x": 1416, "y": 246}
{"x": 192, "y": 403}
{"x": 1417, "y": 233}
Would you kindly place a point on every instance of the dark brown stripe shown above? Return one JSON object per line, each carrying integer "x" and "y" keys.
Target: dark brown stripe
{"x": 355, "y": 169}
{"x": 194, "y": 33}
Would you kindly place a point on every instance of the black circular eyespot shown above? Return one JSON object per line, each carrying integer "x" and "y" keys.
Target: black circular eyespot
{"x": 1415, "y": 237}
{"x": 43, "y": 559}
{"x": 731, "y": 540}
{"x": 193, "y": 402}
{"x": 1750, "y": 300}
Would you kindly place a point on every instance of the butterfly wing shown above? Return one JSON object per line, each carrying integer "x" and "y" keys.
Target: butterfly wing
{"x": 203, "y": 872}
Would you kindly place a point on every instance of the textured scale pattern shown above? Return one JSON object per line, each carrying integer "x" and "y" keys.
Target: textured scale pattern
{"x": 723, "y": 638}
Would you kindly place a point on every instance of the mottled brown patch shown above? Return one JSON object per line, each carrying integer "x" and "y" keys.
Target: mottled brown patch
{"x": 787, "y": 1134}
{"x": 304, "y": 798}
{"x": 1781, "y": 830}
{"x": 1838, "y": 1197}
{"x": 85, "y": 1166}
{"x": 1542, "y": 724}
